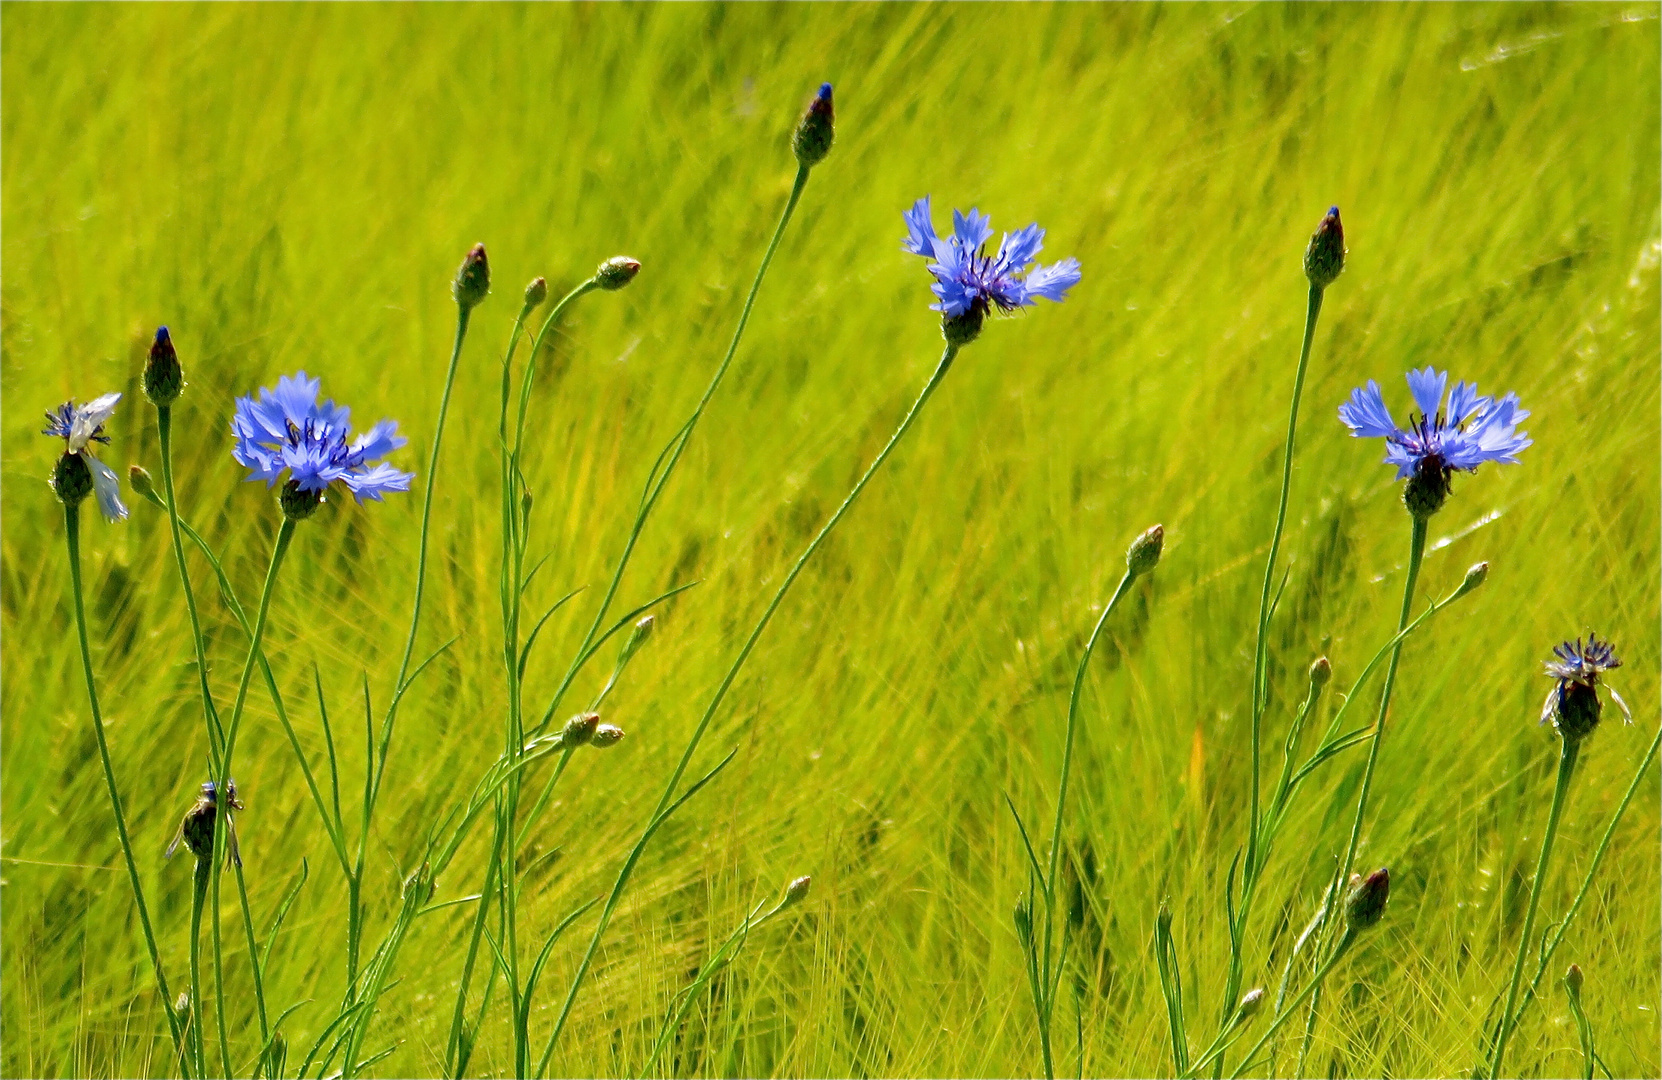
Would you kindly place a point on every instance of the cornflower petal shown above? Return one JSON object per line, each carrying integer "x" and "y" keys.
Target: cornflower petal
{"x": 971, "y": 230}
{"x": 88, "y": 419}
{"x": 1018, "y": 250}
{"x": 1427, "y": 386}
{"x": 287, "y": 430}
{"x": 1366, "y": 415}
{"x": 106, "y": 486}
{"x": 1053, "y": 282}
{"x": 967, "y": 279}
{"x": 920, "y": 230}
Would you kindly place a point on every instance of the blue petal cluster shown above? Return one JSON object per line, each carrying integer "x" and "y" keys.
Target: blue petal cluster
{"x": 79, "y": 426}
{"x": 286, "y": 429}
{"x": 968, "y": 278}
{"x": 1472, "y": 430}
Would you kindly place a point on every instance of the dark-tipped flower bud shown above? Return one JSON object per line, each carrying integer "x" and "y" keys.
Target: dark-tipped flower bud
{"x": 1366, "y": 903}
{"x": 960, "y": 330}
{"x": 298, "y": 505}
{"x": 606, "y": 735}
{"x": 71, "y": 479}
{"x": 617, "y": 272}
{"x": 164, "y": 379}
{"x": 473, "y": 279}
{"x": 536, "y": 293}
{"x": 1144, "y": 553}
{"x": 1324, "y": 259}
{"x": 579, "y": 729}
{"x": 1321, "y": 673}
{"x": 797, "y": 891}
{"x": 1251, "y": 1002}
{"x": 1476, "y": 576}
{"x": 1572, "y": 982}
{"x": 815, "y": 131}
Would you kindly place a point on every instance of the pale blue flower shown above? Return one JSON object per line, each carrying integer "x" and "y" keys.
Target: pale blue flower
{"x": 1473, "y": 429}
{"x": 287, "y": 429}
{"x": 80, "y": 426}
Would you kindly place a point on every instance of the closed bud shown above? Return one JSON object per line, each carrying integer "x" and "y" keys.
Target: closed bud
{"x": 1366, "y": 903}
{"x": 816, "y": 131}
{"x": 617, "y": 272}
{"x": 1324, "y": 259}
{"x": 606, "y": 735}
{"x": 164, "y": 379}
{"x": 1162, "y": 920}
{"x": 536, "y": 293}
{"x": 1251, "y": 1002}
{"x": 1321, "y": 673}
{"x": 139, "y": 479}
{"x": 71, "y": 479}
{"x": 1476, "y": 576}
{"x": 1572, "y": 981}
{"x": 579, "y": 729}
{"x": 644, "y": 627}
{"x": 473, "y": 279}
{"x": 181, "y": 1004}
{"x": 1024, "y": 922}
{"x": 797, "y": 891}
{"x": 1144, "y": 553}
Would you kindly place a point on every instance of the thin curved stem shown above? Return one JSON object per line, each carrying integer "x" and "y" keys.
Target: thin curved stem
{"x": 668, "y": 797}
{"x": 216, "y": 737}
{"x": 1566, "y": 771}
{"x": 72, "y": 536}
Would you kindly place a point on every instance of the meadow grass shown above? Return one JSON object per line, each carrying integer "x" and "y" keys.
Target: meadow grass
{"x": 292, "y": 186}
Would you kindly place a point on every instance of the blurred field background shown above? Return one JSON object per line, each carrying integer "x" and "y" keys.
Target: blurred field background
{"x": 292, "y": 187}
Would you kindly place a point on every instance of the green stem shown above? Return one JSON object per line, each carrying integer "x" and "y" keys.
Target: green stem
{"x": 199, "y": 894}
{"x": 1284, "y": 1015}
{"x": 72, "y": 534}
{"x": 216, "y": 737}
{"x": 285, "y": 534}
{"x": 1416, "y": 555}
{"x": 1260, "y": 662}
{"x": 726, "y": 683}
{"x": 1566, "y": 770}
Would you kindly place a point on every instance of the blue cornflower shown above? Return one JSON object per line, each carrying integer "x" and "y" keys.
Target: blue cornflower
{"x": 79, "y": 427}
{"x": 1474, "y": 429}
{"x": 969, "y": 280}
{"x": 288, "y": 430}
{"x": 1573, "y": 702}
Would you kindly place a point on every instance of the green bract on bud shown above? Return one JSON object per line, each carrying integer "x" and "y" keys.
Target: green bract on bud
{"x": 181, "y": 1004}
{"x": 960, "y": 330}
{"x": 815, "y": 131}
{"x": 473, "y": 279}
{"x": 606, "y": 735}
{"x": 797, "y": 891}
{"x": 71, "y": 479}
{"x": 1251, "y": 1002}
{"x": 617, "y": 272}
{"x": 1321, "y": 673}
{"x": 1572, "y": 981}
{"x": 164, "y": 379}
{"x": 1324, "y": 259}
{"x": 1144, "y": 553}
{"x": 298, "y": 505}
{"x": 579, "y": 729}
{"x": 1476, "y": 576}
{"x": 1024, "y": 921}
{"x": 1366, "y": 903}
{"x": 143, "y": 485}
{"x": 1427, "y": 490}
{"x": 1162, "y": 919}
{"x": 536, "y": 292}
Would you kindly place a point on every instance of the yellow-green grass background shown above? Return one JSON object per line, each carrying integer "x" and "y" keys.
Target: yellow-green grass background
{"x": 292, "y": 186}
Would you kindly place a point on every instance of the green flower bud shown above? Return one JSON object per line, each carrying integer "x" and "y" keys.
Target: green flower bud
{"x": 164, "y": 379}
{"x": 1321, "y": 672}
{"x": 1251, "y": 1002}
{"x": 1324, "y": 259}
{"x": 1024, "y": 922}
{"x": 138, "y": 478}
{"x": 1476, "y": 576}
{"x": 1366, "y": 903}
{"x": 1162, "y": 920}
{"x": 298, "y": 505}
{"x": 473, "y": 279}
{"x": 816, "y": 130}
{"x": 797, "y": 891}
{"x": 617, "y": 272}
{"x": 579, "y": 729}
{"x": 71, "y": 479}
{"x": 1144, "y": 553}
{"x": 606, "y": 735}
{"x": 1572, "y": 982}
{"x": 536, "y": 293}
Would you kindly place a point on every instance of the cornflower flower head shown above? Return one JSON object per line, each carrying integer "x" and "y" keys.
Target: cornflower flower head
{"x": 1573, "y": 703}
{"x": 1473, "y": 429}
{"x": 287, "y": 430}
{"x": 79, "y": 471}
{"x": 970, "y": 281}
